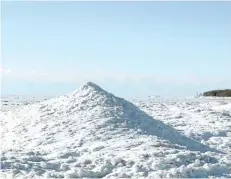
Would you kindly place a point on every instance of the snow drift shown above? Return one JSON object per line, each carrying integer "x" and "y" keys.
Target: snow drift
{"x": 92, "y": 133}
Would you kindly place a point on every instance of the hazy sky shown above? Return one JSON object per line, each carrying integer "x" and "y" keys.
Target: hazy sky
{"x": 129, "y": 48}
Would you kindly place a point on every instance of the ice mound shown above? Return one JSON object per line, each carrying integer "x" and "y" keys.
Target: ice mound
{"x": 94, "y": 109}
{"x": 92, "y": 133}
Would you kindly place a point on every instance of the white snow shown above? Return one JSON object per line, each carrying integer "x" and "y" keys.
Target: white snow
{"x": 91, "y": 133}
{"x": 9, "y": 102}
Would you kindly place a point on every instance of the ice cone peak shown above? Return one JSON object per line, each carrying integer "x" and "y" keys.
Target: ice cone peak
{"x": 90, "y": 85}
{"x": 88, "y": 88}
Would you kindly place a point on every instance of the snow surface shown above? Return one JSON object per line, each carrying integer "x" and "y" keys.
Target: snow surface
{"x": 10, "y": 102}
{"x": 91, "y": 133}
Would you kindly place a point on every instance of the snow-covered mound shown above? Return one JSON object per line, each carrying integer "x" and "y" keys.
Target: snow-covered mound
{"x": 92, "y": 133}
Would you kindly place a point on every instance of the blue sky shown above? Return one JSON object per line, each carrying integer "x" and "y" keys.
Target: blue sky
{"x": 129, "y": 48}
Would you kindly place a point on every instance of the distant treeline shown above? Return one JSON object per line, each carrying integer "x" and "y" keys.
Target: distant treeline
{"x": 218, "y": 93}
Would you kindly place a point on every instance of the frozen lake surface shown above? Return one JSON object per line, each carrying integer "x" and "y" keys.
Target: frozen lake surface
{"x": 91, "y": 133}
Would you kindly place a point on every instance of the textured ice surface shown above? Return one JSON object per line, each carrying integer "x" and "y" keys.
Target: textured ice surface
{"x": 91, "y": 133}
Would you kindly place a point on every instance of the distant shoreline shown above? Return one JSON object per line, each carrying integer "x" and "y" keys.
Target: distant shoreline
{"x": 218, "y": 93}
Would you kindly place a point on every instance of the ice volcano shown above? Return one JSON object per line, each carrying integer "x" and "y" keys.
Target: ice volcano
{"x": 91, "y": 112}
{"x": 87, "y": 133}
